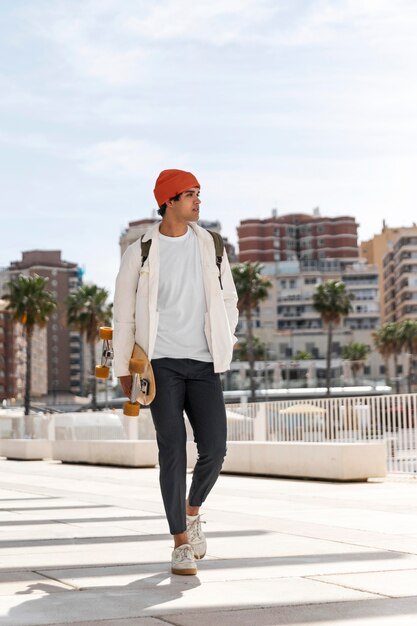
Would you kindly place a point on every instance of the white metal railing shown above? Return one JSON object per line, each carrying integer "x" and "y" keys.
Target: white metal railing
{"x": 392, "y": 418}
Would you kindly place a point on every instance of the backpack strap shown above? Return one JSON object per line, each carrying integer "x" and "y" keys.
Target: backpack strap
{"x": 218, "y": 246}
{"x": 145, "y": 246}
{"x": 219, "y": 249}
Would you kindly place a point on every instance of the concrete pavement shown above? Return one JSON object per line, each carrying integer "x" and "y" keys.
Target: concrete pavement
{"x": 89, "y": 545}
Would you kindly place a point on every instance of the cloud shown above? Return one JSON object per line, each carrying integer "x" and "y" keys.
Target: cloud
{"x": 86, "y": 37}
{"x": 214, "y": 22}
{"x": 125, "y": 158}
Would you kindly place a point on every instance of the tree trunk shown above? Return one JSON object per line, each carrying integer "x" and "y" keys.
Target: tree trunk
{"x": 386, "y": 367}
{"x": 329, "y": 357}
{"x": 251, "y": 356}
{"x": 397, "y": 382}
{"x": 355, "y": 376}
{"x": 410, "y": 367}
{"x": 28, "y": 387}
{"x": 93, "y": 382}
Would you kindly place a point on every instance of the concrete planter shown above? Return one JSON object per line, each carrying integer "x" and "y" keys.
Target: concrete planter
{"x": 109, "y": 452}
{"x": 326, "y": 461}
{"x": 25, "y": 449}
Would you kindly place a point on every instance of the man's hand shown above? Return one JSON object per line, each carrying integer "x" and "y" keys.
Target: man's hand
{"x": 126, "y": 384}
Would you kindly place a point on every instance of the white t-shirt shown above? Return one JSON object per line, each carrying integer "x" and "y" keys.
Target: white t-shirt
{"x": 181, "y": 300}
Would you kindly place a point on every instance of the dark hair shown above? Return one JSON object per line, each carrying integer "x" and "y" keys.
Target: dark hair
{"x": 163, "y": 207}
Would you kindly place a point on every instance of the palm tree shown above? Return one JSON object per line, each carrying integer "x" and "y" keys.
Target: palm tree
{"x": 259, "y": 349}
{"x": 31, "y": 305}
{"x": 384, "y": 349}
{"x": 388, "y": 342}
{"x": 407, "y": 331}
{"x": 88, "y": 309}
{"x": 356, "y": 353}
{"x": 333, "y": 302}
{"x": 251, "y": 289}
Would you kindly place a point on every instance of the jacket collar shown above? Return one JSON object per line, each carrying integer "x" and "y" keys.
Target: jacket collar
{"x": 153, "y": 231}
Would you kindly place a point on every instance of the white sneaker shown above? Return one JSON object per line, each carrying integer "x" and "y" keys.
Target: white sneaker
{"x": 195, "y": 535}
{"x": 182, "y": 561}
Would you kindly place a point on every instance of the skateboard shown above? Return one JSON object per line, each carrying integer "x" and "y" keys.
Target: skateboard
{"x": 143, "y": 381}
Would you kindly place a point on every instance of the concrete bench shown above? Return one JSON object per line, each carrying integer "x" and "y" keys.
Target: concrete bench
{"x": 108, "y": 452}
{"x": 25, "y": 449}
{"x": 327, "y": 461}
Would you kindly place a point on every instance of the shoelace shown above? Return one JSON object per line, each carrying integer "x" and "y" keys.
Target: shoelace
{"x": 194, "y": 528}
{"x": 184, "y": 553}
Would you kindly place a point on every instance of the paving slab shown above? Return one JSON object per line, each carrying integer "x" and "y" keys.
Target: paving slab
{"x": 153, "y": 598}
{"x": 29, "y": 583}
{"x": 370, "y": 613}
{"x": 90, "y": 545}
{"x": 395, "y": 584}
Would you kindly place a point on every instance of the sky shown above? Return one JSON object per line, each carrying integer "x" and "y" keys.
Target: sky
{"x": 286, "y": 104}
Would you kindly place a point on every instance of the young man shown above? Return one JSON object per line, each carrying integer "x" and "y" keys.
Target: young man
{"x": 183, "y": 313}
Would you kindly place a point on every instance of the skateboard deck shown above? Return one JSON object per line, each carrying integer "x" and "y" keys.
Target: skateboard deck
{"x": 143, "y": 381}
{"x": 140, "y": 364}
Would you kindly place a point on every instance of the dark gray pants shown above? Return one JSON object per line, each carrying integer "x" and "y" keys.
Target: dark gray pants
{"x": 190, "y": 385}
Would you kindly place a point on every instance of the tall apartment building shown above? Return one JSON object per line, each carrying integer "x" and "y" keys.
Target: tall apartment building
{"x": 287, "y": 321}
{"x": 297, "y": 236}
{"x": 13, "y": 358}
{"x": 138, "y": 228}
{"x": 64, "y": 359}
{"x": 400, "y": 277}
{"x": 374, "y": 251}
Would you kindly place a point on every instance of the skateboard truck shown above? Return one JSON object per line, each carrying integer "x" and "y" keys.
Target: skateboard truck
{"x": 103, "y": 370}
{"x": 143, "y": 382}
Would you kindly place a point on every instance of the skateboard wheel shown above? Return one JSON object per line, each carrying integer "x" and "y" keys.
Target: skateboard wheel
{"x": 131, "y": 408}
{"x": 137, "y": 366}
{"x": 102, "y": 371}
{"x": 106, "y": 333}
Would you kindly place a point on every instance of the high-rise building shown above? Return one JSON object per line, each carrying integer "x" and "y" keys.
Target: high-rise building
{"x": 64, "y": 345}
{"x": 298, "y": 253}
{"x": 374, "y": 251}
{"x": 298, "y": 236}
{"x": 288, "y": 324}
{"x": 400, "y": 277}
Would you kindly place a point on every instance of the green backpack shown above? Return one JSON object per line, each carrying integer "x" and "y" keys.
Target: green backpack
{"x": 218, "y": 245}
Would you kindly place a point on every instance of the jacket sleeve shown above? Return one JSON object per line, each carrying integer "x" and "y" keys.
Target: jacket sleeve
{"x": 124, "y": 306}
{"x": 229, "y": 295}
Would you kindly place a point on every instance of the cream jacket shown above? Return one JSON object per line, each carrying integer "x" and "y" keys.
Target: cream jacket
{"x": 136, "y": 296}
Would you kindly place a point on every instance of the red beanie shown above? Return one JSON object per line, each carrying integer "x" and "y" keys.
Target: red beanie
{"x": 172, "y": 182}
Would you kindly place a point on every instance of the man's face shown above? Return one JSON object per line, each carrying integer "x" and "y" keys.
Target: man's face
{"x": 187, "y": 207}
